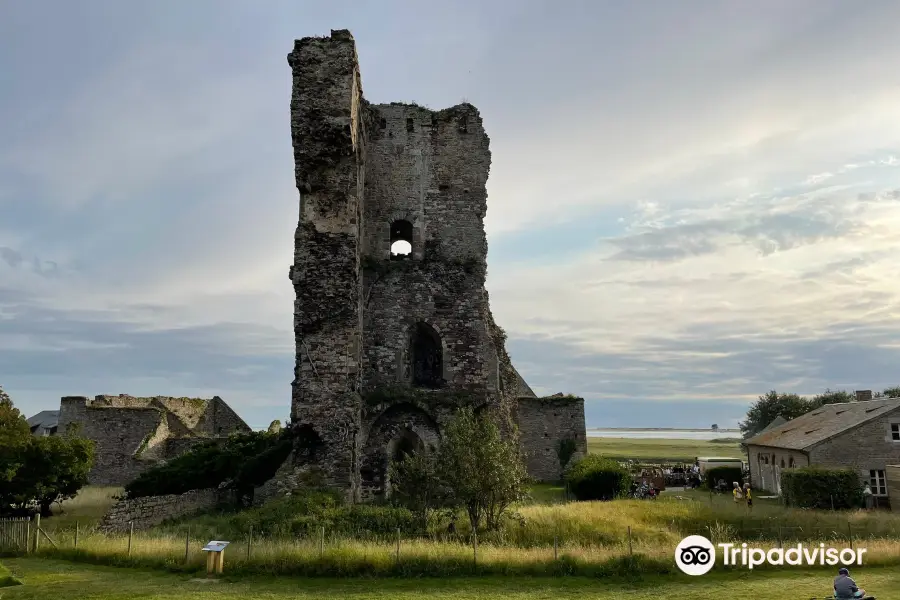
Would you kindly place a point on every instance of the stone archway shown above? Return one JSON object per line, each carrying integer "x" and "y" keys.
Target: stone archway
{"x": 399, "y": 431}
{"x": 406, "y": 443}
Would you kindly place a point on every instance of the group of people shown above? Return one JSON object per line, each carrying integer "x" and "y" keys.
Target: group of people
{"x": 740, "y": 494}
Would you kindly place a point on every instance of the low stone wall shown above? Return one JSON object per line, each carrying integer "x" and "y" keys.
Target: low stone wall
{"x": 153, "y": 510}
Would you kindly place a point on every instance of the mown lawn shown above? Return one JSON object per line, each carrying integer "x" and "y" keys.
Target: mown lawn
{"x": 662, "y": 450}
{"x": 46, "y": 579}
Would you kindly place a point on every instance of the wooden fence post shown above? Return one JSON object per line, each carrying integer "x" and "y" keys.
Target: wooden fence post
{"x": 76, "y": 535}
{"x": 130, "y": 534}
{"x": 187, "y": 544}
{"x": 249, "y": 543}
{"x": 630, "y": 549}
{"x": 398, "y": 545}
{"x": 37, "y": 532}
{"x": 27, "y": 535}
{"x": 555, "y": 548}
{"x": 322, "y": 542}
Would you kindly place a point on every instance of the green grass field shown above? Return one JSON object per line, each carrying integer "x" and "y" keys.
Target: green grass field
{"x": 662, "y": 450}
{"x": 55, "y": 580}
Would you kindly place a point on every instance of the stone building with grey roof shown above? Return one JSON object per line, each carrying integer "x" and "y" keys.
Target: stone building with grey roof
{"x": 863, "y": 435}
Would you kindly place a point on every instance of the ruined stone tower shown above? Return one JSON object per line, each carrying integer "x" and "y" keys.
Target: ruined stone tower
{"x": 388, "y": 344}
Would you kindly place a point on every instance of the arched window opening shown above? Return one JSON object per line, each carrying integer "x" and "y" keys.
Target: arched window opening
{"x": 401, "y": 239}
{"x": 791, "y": 463}
{"x": 427, "y": 357}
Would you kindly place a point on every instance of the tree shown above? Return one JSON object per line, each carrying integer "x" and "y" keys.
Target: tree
{"x": 892, "y": 392}
{"x": 14, "y": 438}
{"x": 416, "y": 484}
{"x": 771, "y": 405}
{"x": 482, "y": 471}
{"x": 832, "y": 397}
{"x": 56, "y": 467}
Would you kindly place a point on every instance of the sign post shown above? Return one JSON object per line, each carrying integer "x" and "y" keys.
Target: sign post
{"x": 215, "y": 557}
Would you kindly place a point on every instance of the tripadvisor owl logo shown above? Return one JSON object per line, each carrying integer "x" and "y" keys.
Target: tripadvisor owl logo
{"x": 695, "y": 555}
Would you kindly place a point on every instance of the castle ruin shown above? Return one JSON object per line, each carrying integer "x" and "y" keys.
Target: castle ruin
{"x": 389, "y": 343}
{"x": 133, "y": 434}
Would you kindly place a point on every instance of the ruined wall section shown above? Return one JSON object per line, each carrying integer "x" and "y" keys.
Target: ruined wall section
{"x": 543, "y": 424}
{"x": 119, "y": 434}
{"x": 329, "y": 154}
{"x": 149, "y": 511}
{"x": 428, "y": 168}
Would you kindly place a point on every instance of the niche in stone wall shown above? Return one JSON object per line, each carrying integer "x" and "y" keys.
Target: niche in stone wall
{"x": 426, "y": 357}
{"x": 308, "y": 444}
{"x": 401, "y": 239}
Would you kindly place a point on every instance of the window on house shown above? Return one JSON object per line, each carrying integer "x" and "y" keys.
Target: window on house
{"x": 791, "y": 463}
{"x": 767, "y": 459}
{"x": 895, "y": 432}
{"x": 401, "y": 239}
{"x": 782, "y": 463}
{"x": 878, "y": 482}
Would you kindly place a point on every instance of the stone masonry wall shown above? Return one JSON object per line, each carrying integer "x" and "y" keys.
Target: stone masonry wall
{"x": 118, "y": 435}
{"x": 133, "y": 434}
{"x": 329, "y": 151}
{"x": 864, "y": 448}
{"x": 543, "y": 424}
{"x": 765, "y": 465}
{"x": 152, "y": 510}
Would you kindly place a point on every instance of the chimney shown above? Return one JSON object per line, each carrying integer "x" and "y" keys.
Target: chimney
{"x": 863, "y": 395}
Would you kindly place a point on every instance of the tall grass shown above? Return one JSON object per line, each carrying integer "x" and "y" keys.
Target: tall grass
{"x": 586, "y": 538}
{"x": 339, "y": 557}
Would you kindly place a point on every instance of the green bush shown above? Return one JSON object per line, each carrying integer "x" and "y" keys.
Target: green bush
{"x": 729, "y": 474}
{"x": 597, "y": 478}
{"x": 814, "y": 487}
{"x": 211, "y": 463}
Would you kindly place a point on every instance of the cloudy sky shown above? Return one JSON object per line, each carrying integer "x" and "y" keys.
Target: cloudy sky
{"x": 690, "y": 203}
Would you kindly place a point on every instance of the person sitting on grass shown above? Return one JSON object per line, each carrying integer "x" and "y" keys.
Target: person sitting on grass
{"x": 845, "y": 587}
{"x": 737, "y": 493}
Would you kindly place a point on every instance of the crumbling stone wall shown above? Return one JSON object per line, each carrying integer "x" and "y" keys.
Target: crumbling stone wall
{"x": 149, "y": 511}
{"x": 543, "y": 424}
{"x": 132, "y": 434}
{"x": 387, "y": 346}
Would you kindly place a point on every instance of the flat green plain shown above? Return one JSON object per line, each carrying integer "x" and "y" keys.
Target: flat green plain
{"x": 663, "y": 449}
{"x": 53, "y": 580}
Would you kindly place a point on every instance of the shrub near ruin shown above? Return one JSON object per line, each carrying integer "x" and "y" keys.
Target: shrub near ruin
{"x": 597, "y": 478}
{"x": 242, "y": 459}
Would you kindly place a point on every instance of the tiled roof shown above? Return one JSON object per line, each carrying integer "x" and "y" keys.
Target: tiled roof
{"x": 823, "y": 423}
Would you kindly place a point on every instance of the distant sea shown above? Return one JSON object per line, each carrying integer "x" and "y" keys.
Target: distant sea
{"x": 662, "y": 433}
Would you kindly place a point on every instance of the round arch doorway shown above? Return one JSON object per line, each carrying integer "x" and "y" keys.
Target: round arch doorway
{"x": 406, "y": 443}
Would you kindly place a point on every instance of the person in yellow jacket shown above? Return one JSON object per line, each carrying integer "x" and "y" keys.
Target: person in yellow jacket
{"x": 736, "y": 492}
{"x": 748, "y": 496}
